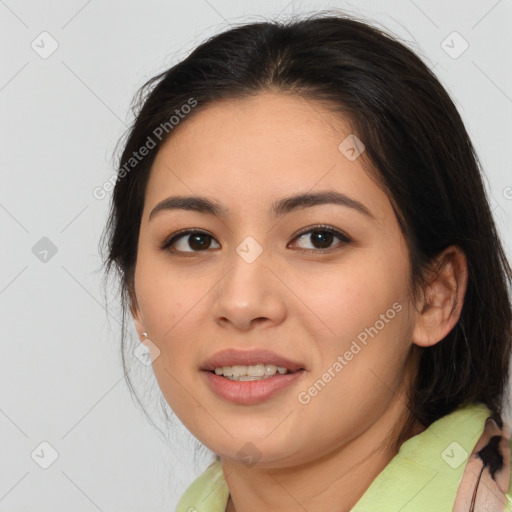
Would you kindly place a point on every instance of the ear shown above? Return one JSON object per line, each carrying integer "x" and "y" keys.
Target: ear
{"x": 440, "y": 308}
{"x": 135, "y": 312}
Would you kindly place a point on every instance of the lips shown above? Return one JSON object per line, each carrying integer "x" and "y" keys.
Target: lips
{"x": 231, "y": 357}
{"x": 251, "y": 392}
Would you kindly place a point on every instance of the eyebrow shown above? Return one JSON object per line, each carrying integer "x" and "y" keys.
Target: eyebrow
{"x": 279, "y": 207}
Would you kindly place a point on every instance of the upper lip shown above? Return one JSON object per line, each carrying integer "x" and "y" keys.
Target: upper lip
{"x": 231, "y": 357}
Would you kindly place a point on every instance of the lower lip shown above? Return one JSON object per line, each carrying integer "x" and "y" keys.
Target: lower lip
{"x": 250, "y": 392}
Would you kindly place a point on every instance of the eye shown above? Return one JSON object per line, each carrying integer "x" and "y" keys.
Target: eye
{"x": 321, "y": 237}
{"x": 189, "y": 241}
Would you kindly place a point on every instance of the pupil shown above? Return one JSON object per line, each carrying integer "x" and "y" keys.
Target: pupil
{"x": 195, "y": 242}
{"x": 324, "y": 238}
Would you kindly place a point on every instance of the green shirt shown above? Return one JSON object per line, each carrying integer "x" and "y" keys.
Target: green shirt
{"x": 423, "y": 476}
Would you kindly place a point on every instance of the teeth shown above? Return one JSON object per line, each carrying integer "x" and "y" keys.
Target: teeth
{"x": 252, "y": 372}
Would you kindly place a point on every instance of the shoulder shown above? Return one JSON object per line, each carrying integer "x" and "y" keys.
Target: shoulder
{"x": 460, "y": 459}
{"x": 207, "y": 493}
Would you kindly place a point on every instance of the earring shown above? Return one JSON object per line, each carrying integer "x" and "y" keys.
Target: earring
{"x": 145, "y": 334}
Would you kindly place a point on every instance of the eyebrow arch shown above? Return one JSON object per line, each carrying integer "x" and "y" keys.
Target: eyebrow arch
{"x": 279, "y": 208}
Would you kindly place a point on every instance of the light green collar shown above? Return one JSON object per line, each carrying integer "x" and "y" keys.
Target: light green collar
{"x": 423, "y": 476}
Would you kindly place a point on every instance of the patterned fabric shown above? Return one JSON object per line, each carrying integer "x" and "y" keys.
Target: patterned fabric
{"x": 486, "y": 477}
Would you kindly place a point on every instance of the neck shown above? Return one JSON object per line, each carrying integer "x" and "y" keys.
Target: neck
{"x": 335, "y": 481}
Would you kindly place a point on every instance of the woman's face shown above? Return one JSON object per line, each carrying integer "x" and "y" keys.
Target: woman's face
{"x": 333, "y": 299}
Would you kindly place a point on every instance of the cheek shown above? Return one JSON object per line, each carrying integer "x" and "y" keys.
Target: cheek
{"x": 350, "y": 298}
{"x": 360, "y": 372}
{"x": 369, "y": 320}
{"x": 166, "y": 294}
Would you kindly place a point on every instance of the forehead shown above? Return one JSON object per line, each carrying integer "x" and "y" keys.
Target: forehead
{"x": 256, "y": 149}
{"x": 272, "y": 122}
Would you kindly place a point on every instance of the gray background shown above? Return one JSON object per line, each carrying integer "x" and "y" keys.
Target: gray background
{"x": 61, "y": 115}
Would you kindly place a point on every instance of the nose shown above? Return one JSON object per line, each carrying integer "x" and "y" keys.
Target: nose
{"x": 249, "y": 295}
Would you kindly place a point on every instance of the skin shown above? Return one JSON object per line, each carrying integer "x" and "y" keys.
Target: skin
{"x": 307, "y": 306}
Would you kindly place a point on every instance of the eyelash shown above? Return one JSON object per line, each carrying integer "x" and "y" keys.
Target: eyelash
{"x": 166, "y": 245}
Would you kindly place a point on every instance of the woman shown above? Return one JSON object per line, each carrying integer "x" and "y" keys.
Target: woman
{"x": 306, "y": 248}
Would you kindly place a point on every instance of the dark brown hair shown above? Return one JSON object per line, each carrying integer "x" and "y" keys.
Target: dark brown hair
{"x": 419, "y": 151}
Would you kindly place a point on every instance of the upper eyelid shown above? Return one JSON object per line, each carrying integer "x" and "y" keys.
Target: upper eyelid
{"x": 320, "y": 227}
